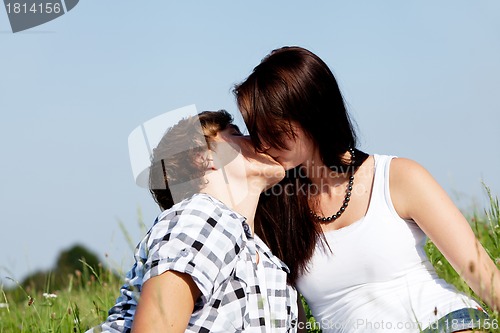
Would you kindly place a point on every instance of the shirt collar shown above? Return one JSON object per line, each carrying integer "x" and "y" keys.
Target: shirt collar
{"x": 264, "y": 249}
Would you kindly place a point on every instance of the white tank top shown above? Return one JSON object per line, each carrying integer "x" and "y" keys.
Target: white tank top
{"x": 377, "y": 277}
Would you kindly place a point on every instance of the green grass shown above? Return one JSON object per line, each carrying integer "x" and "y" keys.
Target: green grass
{"x": 79, "y": 306}
{"x": 86, "y": 300}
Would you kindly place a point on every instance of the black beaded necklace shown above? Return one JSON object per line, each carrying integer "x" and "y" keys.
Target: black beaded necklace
{"x": 347, "y": 197}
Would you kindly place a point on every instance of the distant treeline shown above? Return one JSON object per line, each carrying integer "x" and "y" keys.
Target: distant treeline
{"x": 73, "y": 266}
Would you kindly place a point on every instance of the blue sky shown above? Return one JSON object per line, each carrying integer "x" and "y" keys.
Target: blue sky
{"x": 421, "y": 79}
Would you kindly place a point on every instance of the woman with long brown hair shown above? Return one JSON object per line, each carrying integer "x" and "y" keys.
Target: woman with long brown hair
{"x": 352, "y": 226}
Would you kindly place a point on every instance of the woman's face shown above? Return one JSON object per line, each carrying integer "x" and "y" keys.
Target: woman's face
{"x": 299, "y": 149}
{"x": 236, "y": 153}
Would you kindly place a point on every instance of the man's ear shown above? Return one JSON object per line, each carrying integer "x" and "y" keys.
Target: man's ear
{"x": 207, "y": 159}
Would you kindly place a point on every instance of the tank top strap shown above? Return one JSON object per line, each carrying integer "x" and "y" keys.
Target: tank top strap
{"x": 380, "y": 197}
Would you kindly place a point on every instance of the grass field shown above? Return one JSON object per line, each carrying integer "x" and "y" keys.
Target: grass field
{"x": 89, "y": 295}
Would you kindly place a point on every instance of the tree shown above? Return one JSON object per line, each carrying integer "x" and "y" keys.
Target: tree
{"x": 76, "y": 259}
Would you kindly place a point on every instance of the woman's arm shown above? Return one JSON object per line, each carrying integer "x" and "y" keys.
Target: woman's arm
{"x": 417, "y": 196}
{"x": 166, "y": 303}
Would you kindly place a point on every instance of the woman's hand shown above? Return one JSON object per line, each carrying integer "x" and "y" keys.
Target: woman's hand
{"x": 166, "y": 303}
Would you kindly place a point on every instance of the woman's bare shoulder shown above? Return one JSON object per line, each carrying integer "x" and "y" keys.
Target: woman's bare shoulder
{"x": 409, "y": 181}
{"x": 404, "y": 169}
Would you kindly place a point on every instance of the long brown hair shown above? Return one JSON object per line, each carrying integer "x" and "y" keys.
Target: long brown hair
{"x": 292, "y": 84}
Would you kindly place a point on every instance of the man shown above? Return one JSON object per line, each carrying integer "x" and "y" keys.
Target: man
{"x": 200, "y": 268}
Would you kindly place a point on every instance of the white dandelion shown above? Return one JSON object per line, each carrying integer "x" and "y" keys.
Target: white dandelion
{"x": 48, "y": 296}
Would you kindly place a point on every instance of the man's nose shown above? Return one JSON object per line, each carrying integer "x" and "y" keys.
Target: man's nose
{"x": 263, "y": 148}
{"x": 266, "y": 147}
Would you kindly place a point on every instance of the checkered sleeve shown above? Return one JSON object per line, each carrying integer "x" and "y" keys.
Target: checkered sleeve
{"x": 198, "y": 240}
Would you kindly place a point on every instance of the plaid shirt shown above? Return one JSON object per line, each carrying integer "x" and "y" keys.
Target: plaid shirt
{"x": 202, "y": 237}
